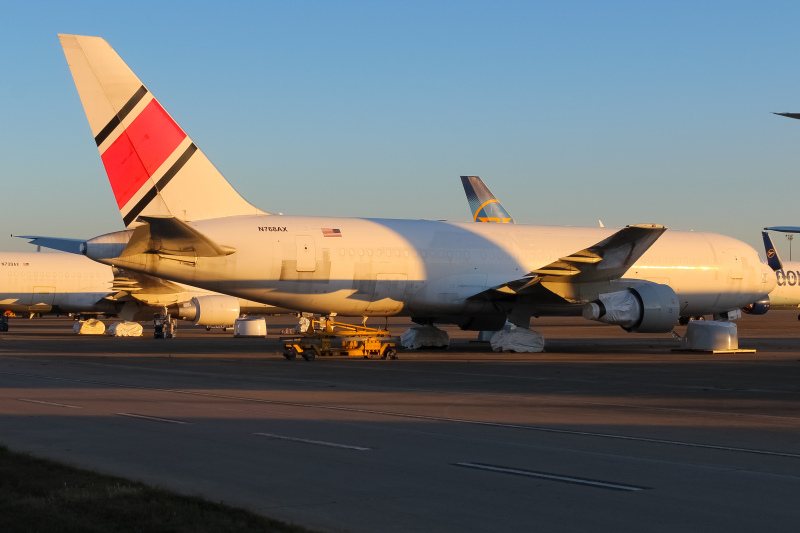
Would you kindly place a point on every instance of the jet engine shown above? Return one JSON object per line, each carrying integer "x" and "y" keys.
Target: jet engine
{"x": 648, "y": 308}
{"x": 757, "y": 308}
{"x": 211, "y": 310}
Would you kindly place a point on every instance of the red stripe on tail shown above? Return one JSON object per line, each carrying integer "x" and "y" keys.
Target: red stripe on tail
{"x": 143, "y": 147}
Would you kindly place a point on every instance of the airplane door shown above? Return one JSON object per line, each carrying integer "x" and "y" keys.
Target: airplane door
{"x": 43, "y": 297}
{"x": 306, "y": 254}
{"x": 388, "y": 296}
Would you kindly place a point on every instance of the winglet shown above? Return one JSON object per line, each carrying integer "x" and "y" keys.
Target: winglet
{"x": 773, "y": 259}
{"x": 483, "y": 204}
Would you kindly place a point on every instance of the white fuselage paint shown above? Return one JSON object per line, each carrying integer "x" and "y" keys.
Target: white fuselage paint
{"x": 34, "y": 282}
{"x": 786, "y": 294}
{"x": 40, "y": 282}
{"x": 427, "y": 268}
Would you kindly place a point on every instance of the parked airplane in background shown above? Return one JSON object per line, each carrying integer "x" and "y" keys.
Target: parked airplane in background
{"x": 483, "y": 204}
{"x": 786, "y": 294}
{"x": 187, "y": 224}
{"x": 39, "y": 283}
{"x": 479, "y": 195}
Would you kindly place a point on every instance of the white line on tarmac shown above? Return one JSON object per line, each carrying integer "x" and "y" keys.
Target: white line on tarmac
{"x": 50, "y": 403}
{"x": 413, "y": 416}
{"x": 153, "y": 418}
{"x": 552, "y": 477}
{"x": 310, "y": 441}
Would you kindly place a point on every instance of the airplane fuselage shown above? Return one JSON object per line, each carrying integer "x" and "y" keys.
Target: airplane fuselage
{"x": 786, "y": 294}
{"x": 383, "y": 267}
{"x": 45, "y": 282}
{"x": 33, "y": 282}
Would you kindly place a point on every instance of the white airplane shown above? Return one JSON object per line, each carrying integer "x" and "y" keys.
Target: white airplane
{"x": 786, "y": 294}
{"x": 36, "y": 282}
{"x": 42, "y": 283}
{"x": 187, "y": 224}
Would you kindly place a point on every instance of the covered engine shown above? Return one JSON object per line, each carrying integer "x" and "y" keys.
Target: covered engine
{"x": 648, "y": 308}
{"x": 211, "y": 310}
{"x": 757, "y": 308}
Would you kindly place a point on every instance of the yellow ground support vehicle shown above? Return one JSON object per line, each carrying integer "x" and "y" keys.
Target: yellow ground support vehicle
{"x": 327, "y": 338}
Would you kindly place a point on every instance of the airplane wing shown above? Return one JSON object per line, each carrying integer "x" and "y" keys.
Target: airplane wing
{"x": 607, "y": 260}
{"x": 72, "y": 246}
{"x": 790, "y": 115}
{"x": 130, "y": 283}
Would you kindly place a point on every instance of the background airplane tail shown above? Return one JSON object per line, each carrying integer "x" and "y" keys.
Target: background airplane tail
{"x": 154, "y": 168}
{"x": 483, "y": 204}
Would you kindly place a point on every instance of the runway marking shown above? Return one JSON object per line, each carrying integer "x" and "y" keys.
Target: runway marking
{"x": 50, "y": 403}
{"x": 417, "y": 417}
{"x": 153, "y": 418}
{"x": 310, "y": 441}
{"x": 552, "y": 477}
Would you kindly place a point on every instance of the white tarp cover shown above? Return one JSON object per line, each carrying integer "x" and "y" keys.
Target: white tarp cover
{"x": 517, "y": 340}
{"x": 424, "y": 337}
{"x": 125, "y": 329}
{"x": 302, "y": 325}
{"x": 250, "y": 326}
{"x": 622, "y": 308}
{"x": 702, "y": 335}
{"x": 89, "y": 327}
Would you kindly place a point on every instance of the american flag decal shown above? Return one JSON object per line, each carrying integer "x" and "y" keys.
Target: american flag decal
{"x": 331, "y": 232}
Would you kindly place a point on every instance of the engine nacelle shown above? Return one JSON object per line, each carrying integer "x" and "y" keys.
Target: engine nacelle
{"x": 212, "y": 310}
{"x": 648, "y": 308}
{"x": 757, "y": 308}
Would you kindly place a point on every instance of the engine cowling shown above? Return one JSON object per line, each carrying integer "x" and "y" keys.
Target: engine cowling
{"x": 649, "y": 308}
{"x": 212, "y": 310}
{"x": 757, "y": 308}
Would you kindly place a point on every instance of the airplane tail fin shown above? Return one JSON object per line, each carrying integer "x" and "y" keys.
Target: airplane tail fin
{"x": 484, "y": 206}
{"x": 773, "y": 259}
{"x": 154, "y": 168}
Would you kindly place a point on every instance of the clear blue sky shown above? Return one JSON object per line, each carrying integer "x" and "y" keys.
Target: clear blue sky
{"x": 571, "y": 111}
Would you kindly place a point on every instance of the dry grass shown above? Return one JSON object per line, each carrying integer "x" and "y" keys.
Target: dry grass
{"x": 41, "y": 496}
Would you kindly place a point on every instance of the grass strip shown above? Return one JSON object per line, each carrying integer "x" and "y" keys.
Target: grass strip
{"x": 42, "y": 496}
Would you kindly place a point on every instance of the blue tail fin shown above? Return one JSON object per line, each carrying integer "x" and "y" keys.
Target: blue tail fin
{"x": 482, "y": 203}
{"x": 773, "y": 259}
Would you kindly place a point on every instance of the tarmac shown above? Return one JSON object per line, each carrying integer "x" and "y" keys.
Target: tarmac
{"x": 603, "y": 431}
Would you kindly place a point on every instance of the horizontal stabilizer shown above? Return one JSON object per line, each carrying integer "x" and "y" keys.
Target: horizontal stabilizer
{"x": 72, "y": 246}
{"x": 784, "y": 229}
{"x": 171, "y": 237}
